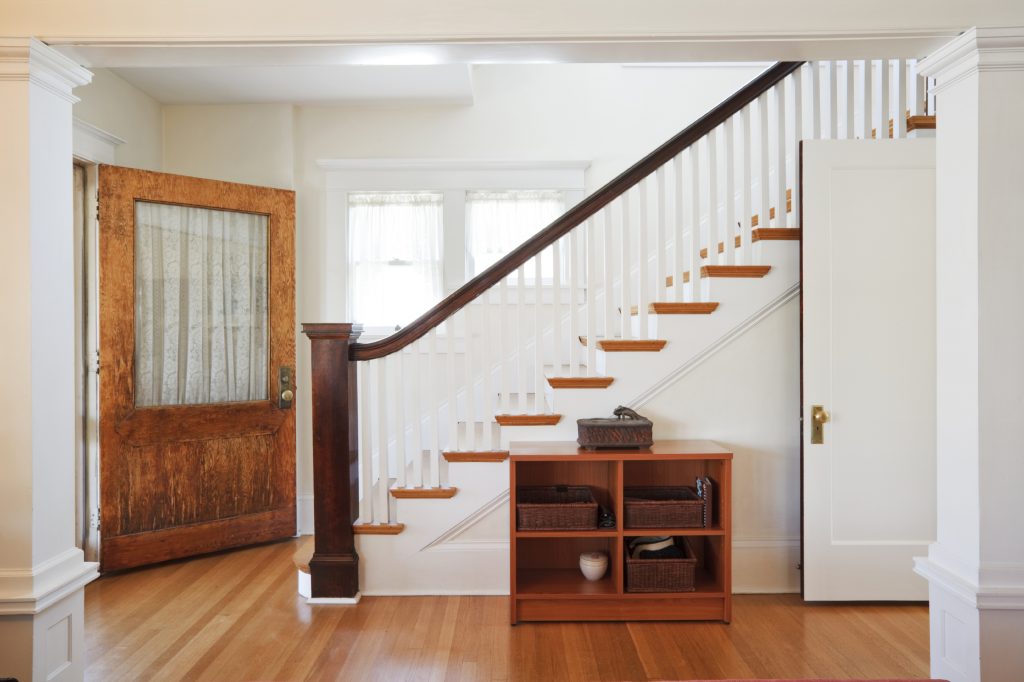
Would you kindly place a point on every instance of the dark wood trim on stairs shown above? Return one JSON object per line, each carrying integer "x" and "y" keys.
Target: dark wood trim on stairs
{"x": 628, "y": 345}
{"x": 574, "y": 217}
{"x": 527, "y": 419}
{"x": 477, "y": 456}
{"x": 670, "y": 308}
{"x": 378, "y": 528}
{"x": 423, "y": 493}
{"x": 580, "y": 382}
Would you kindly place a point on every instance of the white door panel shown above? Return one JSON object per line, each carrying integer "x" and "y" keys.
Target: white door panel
{"x": 869, "y": 359}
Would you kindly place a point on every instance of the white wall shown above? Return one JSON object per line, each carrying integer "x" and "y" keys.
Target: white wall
{"x": 747, "y": 397}
{"x": 117, "y": 107}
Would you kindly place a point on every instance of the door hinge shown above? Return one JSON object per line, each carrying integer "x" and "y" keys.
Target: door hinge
{"x": 96, "y": 367}
{"x": 94, "y": 519}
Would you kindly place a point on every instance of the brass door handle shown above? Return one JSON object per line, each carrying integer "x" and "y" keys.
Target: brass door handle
{"x": 287, "y": 396}
{"x": 286, "y": 385}
{"x": 819, "y": 417}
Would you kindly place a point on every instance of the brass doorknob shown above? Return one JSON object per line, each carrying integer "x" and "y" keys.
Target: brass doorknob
{"x": 287, "y": 396}
{"x": 820, "y": 415}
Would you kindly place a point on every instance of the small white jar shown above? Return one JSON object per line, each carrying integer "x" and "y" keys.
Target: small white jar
{"x": 593, "y": 565}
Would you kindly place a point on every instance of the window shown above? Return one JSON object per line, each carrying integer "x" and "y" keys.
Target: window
{"x": 395, "y": 253}
{"x": 497, "y": 221}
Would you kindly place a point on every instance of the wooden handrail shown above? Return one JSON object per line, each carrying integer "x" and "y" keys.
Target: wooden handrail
{"x": 573, "y": 218}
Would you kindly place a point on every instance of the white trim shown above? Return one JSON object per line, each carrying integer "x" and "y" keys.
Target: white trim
{"x": 30, "y": 591}
{"x": 449, "y": 164}
{"x": 336, "y": 600}
{"x": 1000, "y": 586}
{"x": 444, "y": 542}
{"x": 92, "y": 144}
{"x": 28, "y": 59}
{"x": 978, "y": 49}
{"x": 304, "y": 513}
{"x": 698, "y": 358}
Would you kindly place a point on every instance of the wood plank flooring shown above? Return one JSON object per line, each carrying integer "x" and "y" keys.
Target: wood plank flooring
{"x": 237, "y": 616}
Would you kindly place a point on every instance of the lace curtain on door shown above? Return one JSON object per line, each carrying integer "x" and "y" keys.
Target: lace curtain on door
{"x": 200, "y": 305}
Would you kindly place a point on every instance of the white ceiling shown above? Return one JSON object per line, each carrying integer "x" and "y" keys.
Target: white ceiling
{"x": 303, "y": 84}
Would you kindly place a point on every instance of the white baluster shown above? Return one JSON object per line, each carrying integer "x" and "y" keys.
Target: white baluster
{"x": 435, "y": 423}
{"x": 453, "y": 398}
{"x": 487, "y": 360}
{"x": 574, "y": 307}
{"x": 851, "y": 105}
{"x": 816, "y": 100}
{"x": 396, "y": 388}
{"x": 798, "y": 134}
{"x": 538, "y": 337}
{"x": 695, "y": 239}
{"x": 883, "y": 126}
{"x": 469, "y": 392}
{"x": 591, "y": 285}
{"x": 780, "y": 173}
{"x": 556, "y": 309}
{"x": 900, "y": 117}
{"x": 714, "y": 227}
{"x": 417, "y": 413}
{"x": 869, "y": 112}
{"x": 643, "y": 256}
{"x": 730, "y": 192}
{"x": 833, "y": 100}
{"x": 662, "y": 189}
{"x": 747, "y": 199}
{"x": 627, "y": 266}
{"x": 608, "y": 274}
{"x": 503, "y": 332}
{"x": 763, "y": 215}
{"x": 384, "y": 480}
{"x": 677, "y": 224}
{"x": 365, "y": 444}
{"x": 523, "y": 383}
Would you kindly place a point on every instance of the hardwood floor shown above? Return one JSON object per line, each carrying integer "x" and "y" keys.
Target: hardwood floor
{"x": 237, "y": 616}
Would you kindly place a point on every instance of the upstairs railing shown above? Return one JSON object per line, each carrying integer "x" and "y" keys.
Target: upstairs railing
{"x": 535, "y": 316}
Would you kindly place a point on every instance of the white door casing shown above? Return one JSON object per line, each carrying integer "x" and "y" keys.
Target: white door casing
{"x": 869, "y": 359}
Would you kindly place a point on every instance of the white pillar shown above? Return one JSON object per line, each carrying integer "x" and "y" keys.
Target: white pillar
{"x": 976, "y": 568}
{"x": 42, "y": 572}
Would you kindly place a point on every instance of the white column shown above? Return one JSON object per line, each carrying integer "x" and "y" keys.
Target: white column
{"x": 42, "y": 572}
{"x": 976, "y": 568}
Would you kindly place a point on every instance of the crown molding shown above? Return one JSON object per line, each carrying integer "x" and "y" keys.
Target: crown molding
{"x": 448, "y": 164}
{"x": 28, "y": 59}
{"x": 93, "y": 144}
{"x": 975, "y": 50}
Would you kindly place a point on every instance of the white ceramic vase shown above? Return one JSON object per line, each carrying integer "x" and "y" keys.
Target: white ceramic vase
{"x": 593, "y": 565}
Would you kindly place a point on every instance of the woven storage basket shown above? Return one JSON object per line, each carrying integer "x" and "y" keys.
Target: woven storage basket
{"x": 668, "y": 506}
{"x": 555, "y": 507}
{"x": 662, "y": 575}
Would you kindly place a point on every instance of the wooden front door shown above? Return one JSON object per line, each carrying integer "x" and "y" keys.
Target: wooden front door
{"x": 197, "y": 358}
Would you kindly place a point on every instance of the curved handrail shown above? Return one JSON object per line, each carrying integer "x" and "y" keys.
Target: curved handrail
{"x": 573, "y": 218}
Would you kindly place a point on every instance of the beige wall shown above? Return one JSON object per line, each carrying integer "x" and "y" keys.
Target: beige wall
{"x": 113, "y": 105}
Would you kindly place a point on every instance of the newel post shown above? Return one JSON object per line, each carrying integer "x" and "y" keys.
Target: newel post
{"x": 334, "y": 568}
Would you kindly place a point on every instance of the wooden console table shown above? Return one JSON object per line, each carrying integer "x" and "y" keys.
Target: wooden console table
{"x": 546, "y": 583}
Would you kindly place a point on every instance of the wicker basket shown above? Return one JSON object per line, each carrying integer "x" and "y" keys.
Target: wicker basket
{"x": 662, "y": 575}
{"x": 555, "y": 507}
{"x": 668, "y": 506}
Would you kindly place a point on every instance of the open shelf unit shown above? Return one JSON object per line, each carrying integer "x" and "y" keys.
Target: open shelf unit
{"x": 546, "y": 583}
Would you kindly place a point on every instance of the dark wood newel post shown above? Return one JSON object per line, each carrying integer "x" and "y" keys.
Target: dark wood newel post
{"x": 334, "y": 568}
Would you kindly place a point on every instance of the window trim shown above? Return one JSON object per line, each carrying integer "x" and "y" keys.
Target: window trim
{"x": 453, "y": 177}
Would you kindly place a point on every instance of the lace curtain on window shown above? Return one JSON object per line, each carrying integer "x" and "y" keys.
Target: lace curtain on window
{"x": 200, "y": 305}
{"x": 395, "y": 255}
{"x": 499, "y": 221}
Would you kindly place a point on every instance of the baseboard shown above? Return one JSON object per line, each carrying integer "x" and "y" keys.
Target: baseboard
{"x": 304, "y": 513}
{"x": 765, "y": 565}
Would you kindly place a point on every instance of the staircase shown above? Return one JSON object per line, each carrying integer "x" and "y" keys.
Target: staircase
{"x": 608, "y": 305}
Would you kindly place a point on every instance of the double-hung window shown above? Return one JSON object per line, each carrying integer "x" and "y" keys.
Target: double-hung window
{"x": 497, "y": 221}
{"x": 395, "y": 254}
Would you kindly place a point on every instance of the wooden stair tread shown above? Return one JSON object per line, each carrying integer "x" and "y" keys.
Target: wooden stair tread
{"x": 303, "y": 554}
{"x": 670, "y": 308}
{"x": 580, "y": 382}
{"x": 528, "y": 419}
{"x": 735, "y": 270}
{"x": 628, "y": 345}
{"x": 476, "y": 456}
{"x": 378, "y": 528}
{"x": 423, "y": 493}
{"x": 760, "y": 234}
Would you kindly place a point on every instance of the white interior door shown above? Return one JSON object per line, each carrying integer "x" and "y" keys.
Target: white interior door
{"x": 869, "y": 361}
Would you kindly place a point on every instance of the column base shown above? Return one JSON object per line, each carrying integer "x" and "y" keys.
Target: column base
{"x": 334, "y": 576}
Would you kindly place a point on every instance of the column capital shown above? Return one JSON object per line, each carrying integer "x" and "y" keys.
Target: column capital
{"x": 977, "y": 49}
{"x": 34, "y": 61}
